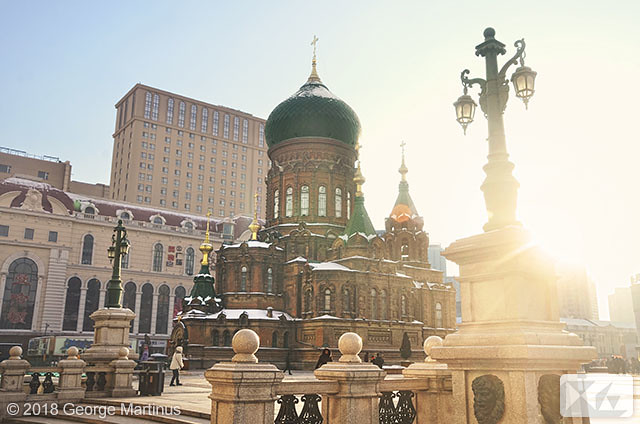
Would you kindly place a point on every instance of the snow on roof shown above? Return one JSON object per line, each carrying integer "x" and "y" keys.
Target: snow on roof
{"x": 28, "y": 183}
{"x": 329, "y": 266}
{"x": 315, "y": 90}
{"x": 256, "y": 314}
{"x": 325, "y": 316}
{"x": 251, "y": 243}
{"x": 298, "y": 259}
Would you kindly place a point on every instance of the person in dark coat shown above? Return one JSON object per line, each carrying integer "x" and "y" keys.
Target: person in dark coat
{"x": 378, "y": 360}
{"x": 325, "y": 357}
{"x": 287, "y": 364}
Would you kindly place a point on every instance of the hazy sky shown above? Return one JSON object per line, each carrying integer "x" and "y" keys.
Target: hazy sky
{"x": 65, "y": 64}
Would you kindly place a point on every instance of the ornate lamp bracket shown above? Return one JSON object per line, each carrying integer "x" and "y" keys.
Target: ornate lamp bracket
{"x": 466, "y": 82}
{"x": 520, "y": 55}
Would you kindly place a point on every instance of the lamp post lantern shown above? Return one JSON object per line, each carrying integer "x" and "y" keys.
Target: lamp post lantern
{"x": 500, "y": 188}
{"x": 119, "y": 247}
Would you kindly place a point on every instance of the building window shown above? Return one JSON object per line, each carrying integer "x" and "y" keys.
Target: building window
{"x": 322, "y": 201}
{"x": 404, "y": 252}
{"x": 383, "y": 304}
{"x": 289, "y": 203}
{"x": 147, "y": 105}
{"x": 4, "y": 230}
{"x": 439, "y": 315}
{"x": 338, "y": 202}
{"x": 192, "y": 122}
{"x": 285, "y": 339}
{"x": 91, "y": 303}
{"x": 215, "y": 338}
{"x": 129, "y": 299}
{"x": 236, "y": 128}
{"x": 403, "y": 305}
{"x": 346, "y": 300}
{"x": 28, "y": 233}
{"x": 245, "y": 131}
{"x": 43, "y": 175}
{"x": 146, "y": 308}
{"x": 5, "y": 168}
{"x": 205, "y": 120}
{"x": 269, "y": 280}
{"x": 225, "y": 129}
{"x": 327, "y": 300}
{"x": 243, "y": 279}
{"x": 189, "y": 258}
{"x": 162, "y": 314}
{"x": 374, "y": 304}
{"x": 216, "y": 118}
{"x": 71, "y": 305}
{"x": 53, "y": 236}
{"x": 261, "y": 136}
{"x": 87, "y": 250}
{"x": 276, "y": 203}
{"x": 169, "y": 112}
{"x": 158, "y": 253}
{"x": 156, "y": 104}
{"x": 19, "y": 295}
{"x": 274, "y": 339}
{"x": 180, "y": 294}
{"x": 349, "y": 204}
{"x": 304, "y": 200}
{"x": 226, "y": 338}
{"x": 181, "y": 111}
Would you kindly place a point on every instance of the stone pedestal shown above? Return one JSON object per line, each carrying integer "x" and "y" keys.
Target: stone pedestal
{"x": 243, "y": 391}
{"x": 122, "y": 379}
{"x": 511, "y": 334}
{"x": 11, "y": 385}
{"x": 70, "y": 383}
{"x": 111, "y": 332}
{"x": 357, "y": 399}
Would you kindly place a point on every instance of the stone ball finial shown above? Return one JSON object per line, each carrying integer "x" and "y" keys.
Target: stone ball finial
{"x": 350, "y": 345}
{"x": 15, "y": 352}
{"x": 245, "y": 344}
{"x": 489, "y": 33}
{"x": 72, "y": 352}
{"x": 429, "y": 343}
{"x": 123, "y": 353}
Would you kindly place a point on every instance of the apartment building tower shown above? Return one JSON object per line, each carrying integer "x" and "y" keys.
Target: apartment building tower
{"x": 183, "y": 154}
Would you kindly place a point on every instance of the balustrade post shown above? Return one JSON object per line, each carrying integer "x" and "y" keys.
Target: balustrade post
{"x": 243, "y": 391}
{"x": 434, "y": 405}
{"x": 11, "y": 385}
{"x": 70, "y": 382}
{"x": 357, "y": 399}
{"x": 123, "y": 375}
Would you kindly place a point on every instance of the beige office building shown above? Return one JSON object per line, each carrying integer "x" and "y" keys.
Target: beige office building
{"x": 182, "y": 154}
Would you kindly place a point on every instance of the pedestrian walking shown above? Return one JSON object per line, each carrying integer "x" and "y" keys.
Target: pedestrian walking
{"x": 325, "y": 357}
{"x": 287, "y": 363}
{"x": 176, "y": 366}
{"x": 378, "y": 360}
{"x": 145, "y": 353}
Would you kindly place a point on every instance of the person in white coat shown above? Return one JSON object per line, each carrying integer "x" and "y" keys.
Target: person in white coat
{"x": 176, "y": 366}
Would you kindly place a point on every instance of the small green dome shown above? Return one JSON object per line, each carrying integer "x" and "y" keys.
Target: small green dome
{"x": 313, "y": 111}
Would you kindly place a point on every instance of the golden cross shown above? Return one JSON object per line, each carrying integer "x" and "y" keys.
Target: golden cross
{"x": 208, "y": 221}
{"x": 402, "y": 146}
{"x": 255, "y": 206}
{"x": 313, "y": 43}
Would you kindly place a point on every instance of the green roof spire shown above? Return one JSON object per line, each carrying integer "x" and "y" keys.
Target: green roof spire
{"x": 359, "y": 222}
{"x": 203, "y": 286}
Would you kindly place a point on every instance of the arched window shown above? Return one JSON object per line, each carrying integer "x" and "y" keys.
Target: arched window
{"x": 383, "y": 304}
{"x": 158, "y": 220}
{"x": 180, "y": 294}
{"x": 308, "y": 295}
{"x": 304, "y": 200}
{"x": 181, "y": 110}
{"x": 439, "y": 315}
{"x": 285, "y": 339}
{"x": 129, "y": 299}
{"x": 338, "y": 202}
{"x": 19, "y": 295}
{"x": 91, "y": 303}
{"x": 188, "y": 225}
{"x": 87, "y": 249}
{"x": 162, "y": 314}
{"x": 274, "y": 339}
{"x": 243, "y": 279}
{"x": 269, "y": 280}
{"x": 125, "y": 216}
{"x": 346, "y": 300}
{"x": 147, "y": 105}
{"x": 288, "y": 207}
{"x": 327, "y": 300}
{"x": 124, "y": 260}
{"x": 349, "y": 204}
{"x": 90, "y": 210}
{"x": 276, "y": 203}
{"x": 158, "y": 253}
{"x": 71, "y": 305}
{"x": 226, "y": 338}
{"x": 322, "y": 201}
{"x": 215, "y": 338}
{"x": 403, "y": 305}
{"x": 189, "y": 260}
{"x": 404, "y": 252}
{"x": 374, "y": 304}
{"x": 170, "y": 111}
{"x": 146, "y": 306}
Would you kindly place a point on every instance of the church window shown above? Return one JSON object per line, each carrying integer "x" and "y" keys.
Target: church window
{"x": 304, "y": 200}
{"x": 87, "y": 249}
{"x": 147, "y": 105}
{"x": 71, "y": 305}
{"x": 349, "y": 204}
{"x": 156, "y": 104}
{"x": 162, "y": 315}
{"x": 307, "y": 300}
{"x": 215, "y": 338}
{"x": 181, "y": 111}
{"x": 383, "y": 304}
{"x": 276, "y": 203}
{"x": 91, "y": 303}
{"x": 19, "y": 295}
{"x": 170, "y": 112}
{"x": 346, "y": 300}
{"x": 274, "y": 339}
{"x": 226, "y": 338}
{"x": 269, "y": 280}
{"x": 338, "y": 202}
{"x": 404, "y": 252}
{"x": 439, "y": 315}
{"x": 322, "y": 201}
{"x": 243, "y": 279}
{"x": 374, "y": 304}
{"x": 327, "y": 300}
{"x": 289, "y": 203}
{"x": 157, "y": 257}
{"x": 403, "y": 305}
{"x": 189, "y": 260}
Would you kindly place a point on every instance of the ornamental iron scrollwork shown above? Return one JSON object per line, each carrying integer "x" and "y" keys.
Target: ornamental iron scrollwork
{"x": 488, "y": 399}
{"x": 310, "y": 413}
{"x": 386, "y": 408}
{"x": 401, "y": 413}
{"x": 35, "y": 383}
{"x": 287, "y": 413}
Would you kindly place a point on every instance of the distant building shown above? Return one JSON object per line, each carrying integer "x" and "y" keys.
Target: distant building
{"x": 621, "y": 305}
{"x": 456, "y": 284}
{"x": 436, "y": 259}
{"x": 577, "y": 297}
{"x": 609, "y": 338}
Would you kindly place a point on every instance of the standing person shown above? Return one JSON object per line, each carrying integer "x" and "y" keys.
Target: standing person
{"x": 325, "y": 357}
{"x": 145, "y": 353}
{"x": 287, "y": 364}
{"x": 366, "y": 357}
{"x": 378, "y": 360}
{"x": 176, "y": 366}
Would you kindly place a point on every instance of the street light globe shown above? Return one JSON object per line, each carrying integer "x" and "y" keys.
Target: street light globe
{"x": 124, "y": 246}
{"x": 524, "y": 83}
{"x": 111, "y": 252}
{"x": 465, "y": 110}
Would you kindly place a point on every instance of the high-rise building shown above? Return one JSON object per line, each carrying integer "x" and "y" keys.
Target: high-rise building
{"x": 178, "y": 153}
{"x": 436, "y": 259}
{"x": 577, "y": 296}
{"x": 621, "y": 305}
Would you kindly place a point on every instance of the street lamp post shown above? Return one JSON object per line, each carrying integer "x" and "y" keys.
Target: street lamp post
{"x": 500, "y": 187}
{"x": 119, "y": 247}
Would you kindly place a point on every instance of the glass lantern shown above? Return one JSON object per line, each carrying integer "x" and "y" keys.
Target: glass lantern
{"x": 465, "y": 110}
{"x": 524, "y": 83}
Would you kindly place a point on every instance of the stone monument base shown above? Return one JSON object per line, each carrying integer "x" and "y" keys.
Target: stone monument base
{"x": 111, "y": 332}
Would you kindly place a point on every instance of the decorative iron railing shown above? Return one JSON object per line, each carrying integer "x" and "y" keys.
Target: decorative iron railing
{"x": 292, "y": 407}
{"x": 42, "y": 380}
{"x": 397, "y": 401}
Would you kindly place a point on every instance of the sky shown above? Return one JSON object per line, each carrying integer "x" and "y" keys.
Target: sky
{"x": 66, "y": 63}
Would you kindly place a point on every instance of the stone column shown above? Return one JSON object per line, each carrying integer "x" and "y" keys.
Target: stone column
{"x": 11, "y": 385}
{"x": 136, "y": 322}
{"x": 70, "y": 384}
{"x": 103, "y": 294}
{"x": 357, "y": 399}
{"x": 122, "y": 375}
{"x": 81, "y": 305}
{"x": 243, "y": 391}
{"x": 154, "y": 312}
